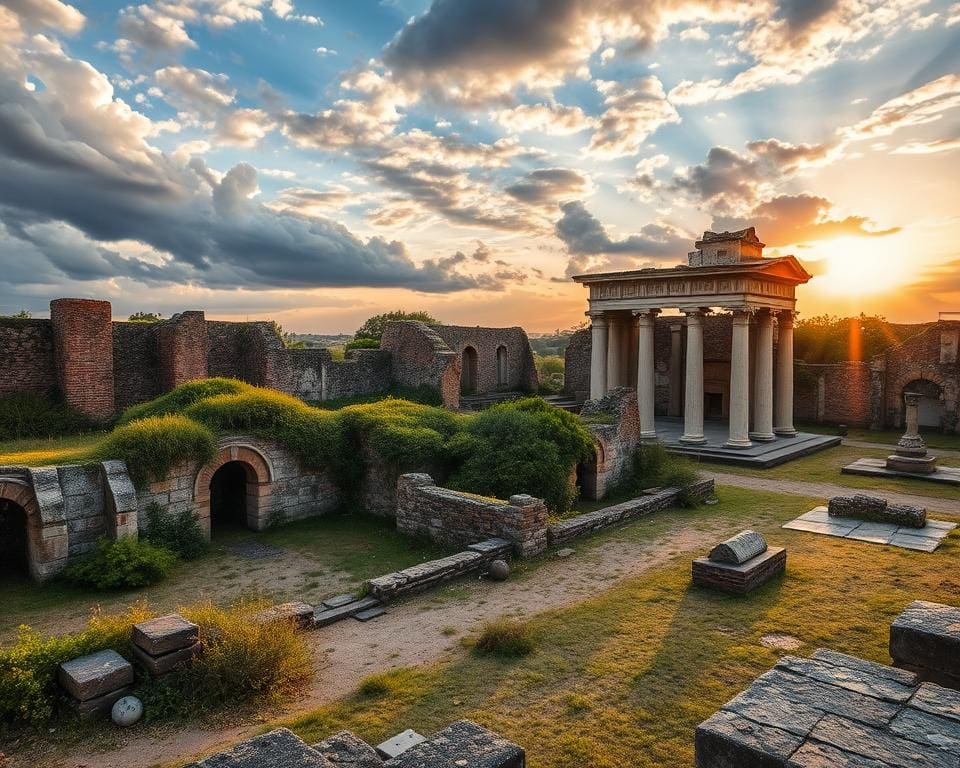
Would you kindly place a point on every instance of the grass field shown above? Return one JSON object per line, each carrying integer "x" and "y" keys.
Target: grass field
{"x": 824, "y": 467}
{"x": 624, "y": 678}
{"x": 42, "y": 452}
{"x": 933, "y": 438}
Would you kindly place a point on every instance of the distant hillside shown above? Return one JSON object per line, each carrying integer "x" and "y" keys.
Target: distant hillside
{"x": 314, "y": 340}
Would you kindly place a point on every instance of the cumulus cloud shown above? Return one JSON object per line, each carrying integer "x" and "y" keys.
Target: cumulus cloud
{"x": 545, "y": 186}
{"x": 47, "y": 14}
{"x": 551, "y": 119}
{"x": 633, "y": 111}
{"x": 74, "y": 156}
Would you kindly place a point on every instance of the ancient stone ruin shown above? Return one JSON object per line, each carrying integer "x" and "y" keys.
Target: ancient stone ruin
{"x": 911, "y": 453}
{"x": 740, "y": 564}
{"x": 874, "y": 509}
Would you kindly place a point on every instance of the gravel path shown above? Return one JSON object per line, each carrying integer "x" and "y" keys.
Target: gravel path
{"x": 826, "y": 490}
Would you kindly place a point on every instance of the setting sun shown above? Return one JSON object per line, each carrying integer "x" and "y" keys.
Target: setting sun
{"x": 854, "y": 266}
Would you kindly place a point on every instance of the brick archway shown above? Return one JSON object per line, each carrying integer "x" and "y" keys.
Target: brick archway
{"x": 259, "y": 480}
{"x": 45, "y": 556}
{"x": 900, "y": 387}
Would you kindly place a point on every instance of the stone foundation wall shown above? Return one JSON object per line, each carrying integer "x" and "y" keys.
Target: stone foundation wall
{"x": 459, "y": 519}
{"x": 419, "y": 356}
{"x": 839, "y": 393}
{"x": 616, "y": 443}
{"x": 26, "y": 349}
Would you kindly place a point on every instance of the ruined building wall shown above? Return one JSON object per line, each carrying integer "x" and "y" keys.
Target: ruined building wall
{"x": 576, "y": 368}
{"x": 26, "y": 349}
{"x": 521, "y": 373}
{"x": 83, "y": 345}
{"x": 136, "y": 364}
{"x": 836, "y": 393}
{"x": 419, "y": 356}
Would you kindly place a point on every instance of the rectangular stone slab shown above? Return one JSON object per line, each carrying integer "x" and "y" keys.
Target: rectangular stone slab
{"x": 925, "y": 637}
{"x": 462, "y": 744}
{"x": 165, "y": 634}
{"x": 332, "y": 615}
{"x": 101, "y": 705}
{"x": 161, "y": 665}
{"x": 278, "y": 749}
{"x": 91, "y": 676}
{"x": 727, "y": 739}
{"x": 345, "y": 749}
{"x": 397, "y": 745}
{"x": 739, "y": 579}
{"x": 298, "y": 612}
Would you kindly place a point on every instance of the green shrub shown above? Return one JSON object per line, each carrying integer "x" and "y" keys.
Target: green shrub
{"x": 183, "y": 396}
{"x": 525, "y": 446}
{"x": 404, "y": 432}
{"x": 506, "y": 638}
{"x": 362, "y": 344}
{"x": 152, "y": 446}
{"x": 28, "y": 668}
{"x": 122, "y": 564}
{"x": 27, "y": 415}
{"x": 654, "y": 466}
{"x": 241, "y": 660}
{"x": 181, "y": 534}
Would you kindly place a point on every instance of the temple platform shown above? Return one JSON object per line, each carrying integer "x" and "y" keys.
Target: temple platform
{"x": 760, "y": 455}
{"x": 878, "y": 468}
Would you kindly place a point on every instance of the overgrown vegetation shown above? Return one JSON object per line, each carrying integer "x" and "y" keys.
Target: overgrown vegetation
{"x": 507, "y": 638}
{"x": 374, "y": 327}
{"x": 362, "y": 344}
{"x": 655, "y": 467}
{"x": 181, "y": 534}
{"x": 830, "y": 339}
{"x": 550, "y": 371}
{"x": 28, "y": 415}
{"x": 121, "y": 564}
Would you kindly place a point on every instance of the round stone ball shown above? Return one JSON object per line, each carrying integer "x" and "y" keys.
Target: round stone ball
{"x": 127, "y": 711}
{"x": 499, "y": 570}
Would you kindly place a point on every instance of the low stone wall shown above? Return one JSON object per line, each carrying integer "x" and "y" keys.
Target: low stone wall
{"x": 565, "y": 530}
{"x": 451, "y": 517}
{"x": 428, "y": 575}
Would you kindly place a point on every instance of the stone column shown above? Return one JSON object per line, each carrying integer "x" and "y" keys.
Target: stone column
{"x": 615, "y": 333}
{"x": 783, "y": 416}
{"x": 676, "y": 366}
{"x": 598, "y": 355}
{"x": 646, "y": 375}
{"x": 693, "y": 400}
{"x": 763, "y": 380}
{"x": 740, "y": 382}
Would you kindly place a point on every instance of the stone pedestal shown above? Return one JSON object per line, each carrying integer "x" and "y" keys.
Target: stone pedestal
{"x": 96, "y": 681}
{"x": 911, "y": 452}
{"x": 164, "y": 643}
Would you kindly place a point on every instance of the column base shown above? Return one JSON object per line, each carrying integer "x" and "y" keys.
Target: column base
{"x": 784, "y": 431}
{"x": 738, "y": 444}
{"x": 693, "y": 440}
{"x": 763, "y": 437}
{"x": 649, "y": 437}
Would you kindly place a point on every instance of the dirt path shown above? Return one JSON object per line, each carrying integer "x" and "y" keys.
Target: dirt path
{"x": 417, "y": 632}
{"x": 826, "y": 490}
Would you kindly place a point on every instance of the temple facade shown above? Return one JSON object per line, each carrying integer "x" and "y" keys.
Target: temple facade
{"x": 727, "y": 273}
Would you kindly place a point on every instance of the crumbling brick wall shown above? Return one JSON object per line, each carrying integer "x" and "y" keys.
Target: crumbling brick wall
{"x": 419, "y": 356}
{"x": 836, "y": 393}
{"x": 26, "y": 349}
{"x": 515, "y": 371}
{"x": 83, "y": 343}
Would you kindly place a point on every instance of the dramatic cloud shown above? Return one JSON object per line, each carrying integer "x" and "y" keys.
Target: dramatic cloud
{"x": 547, "y": 185}
{"x": 633, "y": 111}
{"x": 50, "y": 14}
{"x": 551, "y": 119}
{"x": 790, "y": 219}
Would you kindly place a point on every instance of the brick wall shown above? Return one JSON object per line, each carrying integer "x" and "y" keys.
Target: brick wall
{"x": 459, "y": 519}
{"x": 516, "y": 371}
{"x": 26, "y": 349}
{"x": 83, "y": 343}
{"x": 419, "y": 356}
{"x": 576, "y": 368}
{"x": 363, "y": 372}
{"x": 835, "y": 394}
{"x": 616, "y": 443}
{"x": 183, "y": 343}
{"x": 136, "y": 363}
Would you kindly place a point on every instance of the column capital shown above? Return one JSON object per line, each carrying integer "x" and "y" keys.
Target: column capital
{"x": 648, "y": 315}
{"x": 597, "y": 317}
{"x": 701, "y": 311}
{"x": 786, "y": 316}
{"x": 742, "y": 316}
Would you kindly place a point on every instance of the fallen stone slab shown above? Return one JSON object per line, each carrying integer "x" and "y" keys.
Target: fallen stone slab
{"x": 332, "y": 615}
{"x": 165, "y": 634}
{"x": 96, "y": 674}
{"x": 463, "y": 744}
{"x": 739, "y": 579}
{"x": 339, "y": 601}
{"x": 738, "y": 549}
{"x": 167, "y": 662}
{"x": 298, "y": 612}
{"x": 346, "y": 749}
{"x": 925, "y": 638}
{"x": 370, "y": 613}
{"x": 397, "y": 745}
{"x": 278, "y": 749}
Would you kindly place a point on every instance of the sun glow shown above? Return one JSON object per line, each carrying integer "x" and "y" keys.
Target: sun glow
{"x": 858, "y": 266}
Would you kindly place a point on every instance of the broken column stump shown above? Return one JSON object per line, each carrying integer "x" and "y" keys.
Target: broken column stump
{"x": 740, "y": 564}
{"x": 164, "y": 643}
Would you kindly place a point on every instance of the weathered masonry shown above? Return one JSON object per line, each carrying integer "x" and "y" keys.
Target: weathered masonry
{"x": 727, "y": 272}
{"x": 101, "y": 366}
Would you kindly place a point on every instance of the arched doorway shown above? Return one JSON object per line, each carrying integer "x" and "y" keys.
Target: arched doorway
{"x": 469, "y": 371}
{"x": 931, "y": 410}
{"x": 502, "y": 371}
{"x": 228, "y": 496}
{"x": 14, "y": 552}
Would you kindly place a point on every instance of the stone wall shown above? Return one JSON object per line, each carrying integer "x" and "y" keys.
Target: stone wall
{"x": 83, "y": 497}
{"x": 419, "y": 356}
{"x": 515, "y": 371}
{"x": 616, "y": 442}
{"x": 363, "y": 372}
{"x": 26, "y": 349}
{"x": 837, "y": 393}
{"x": 459, "y": 519}
{"x": 576, "y": 369}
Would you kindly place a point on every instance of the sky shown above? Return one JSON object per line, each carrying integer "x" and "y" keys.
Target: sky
{"x": 320, "y": 161}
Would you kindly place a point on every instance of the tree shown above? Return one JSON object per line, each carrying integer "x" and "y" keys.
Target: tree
{"x": 145, "y": 317}
{"x": 374, "y": 327}
{"x": 289, "y": 339}
{"x": 23, "y": 314}
{"x": 830, "y": 339}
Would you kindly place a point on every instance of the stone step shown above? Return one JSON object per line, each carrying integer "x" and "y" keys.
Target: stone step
{"x": 333, "y": 615}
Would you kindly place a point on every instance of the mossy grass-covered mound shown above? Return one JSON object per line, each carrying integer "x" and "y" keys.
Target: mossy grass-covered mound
{"x": 524, "y": 446}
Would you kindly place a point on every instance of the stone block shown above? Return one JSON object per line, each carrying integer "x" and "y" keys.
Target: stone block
{"x": 465, "y": 744}
{"x": 871, "y": 508}
{"x": 345, "y": 749}
{"x": 298, "y": 612}
{"x": 397, "y": 745}
{"x": 161, "y": 665}
{"x": 738, "y": 549}
{"x": 925, "y": 638}
{"x": 331, "y": 615}
{"x": 99, "y": 705}
{"x": 95, "y": 675}
{"x": 741, "y": 578}
{"x": 165, "y": 634}
{"x": 278, "y": 749}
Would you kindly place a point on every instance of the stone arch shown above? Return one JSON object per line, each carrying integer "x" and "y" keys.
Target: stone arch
{"x": 503, "y": 367}
{"x": 258, "y": 476}
{"x": 932, "y": 388}
{"x": 469, "y": 371}
{"x": 45, "y": 555}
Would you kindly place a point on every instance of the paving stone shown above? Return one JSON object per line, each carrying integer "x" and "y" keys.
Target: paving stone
{"x": 919, "y": 543}
{"x": 278, "y": 749}
{"x": 298, "y": 612}
{"x": 167, "y": 662}
{"x": 370, "y": 613}
{"x": 870, "y": 537}
{"x": 397, "y": 745}
{"x": 730, "y": 740}
{"x": 941, "y": 525}
{"x": 937, "y": 700}
{"x": 816, "y": 515}
{"x": 847, "y": 664}
{"x": 345, "y": 749}
{"x": 339, "y": 601}
{"x": 878, "y": 744}
{"x": 95, "y": 675}
{"x": 165, "y": 634}
{"x": 331, "y": 615}
{"x": 851, "y": 679}
{"x": 926, "y": 637}
{"x": 830, "y": 529}
{"x": 925, "y": 728}
{"x": 462, "y": 744}
{"x": 812, "y": 754}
